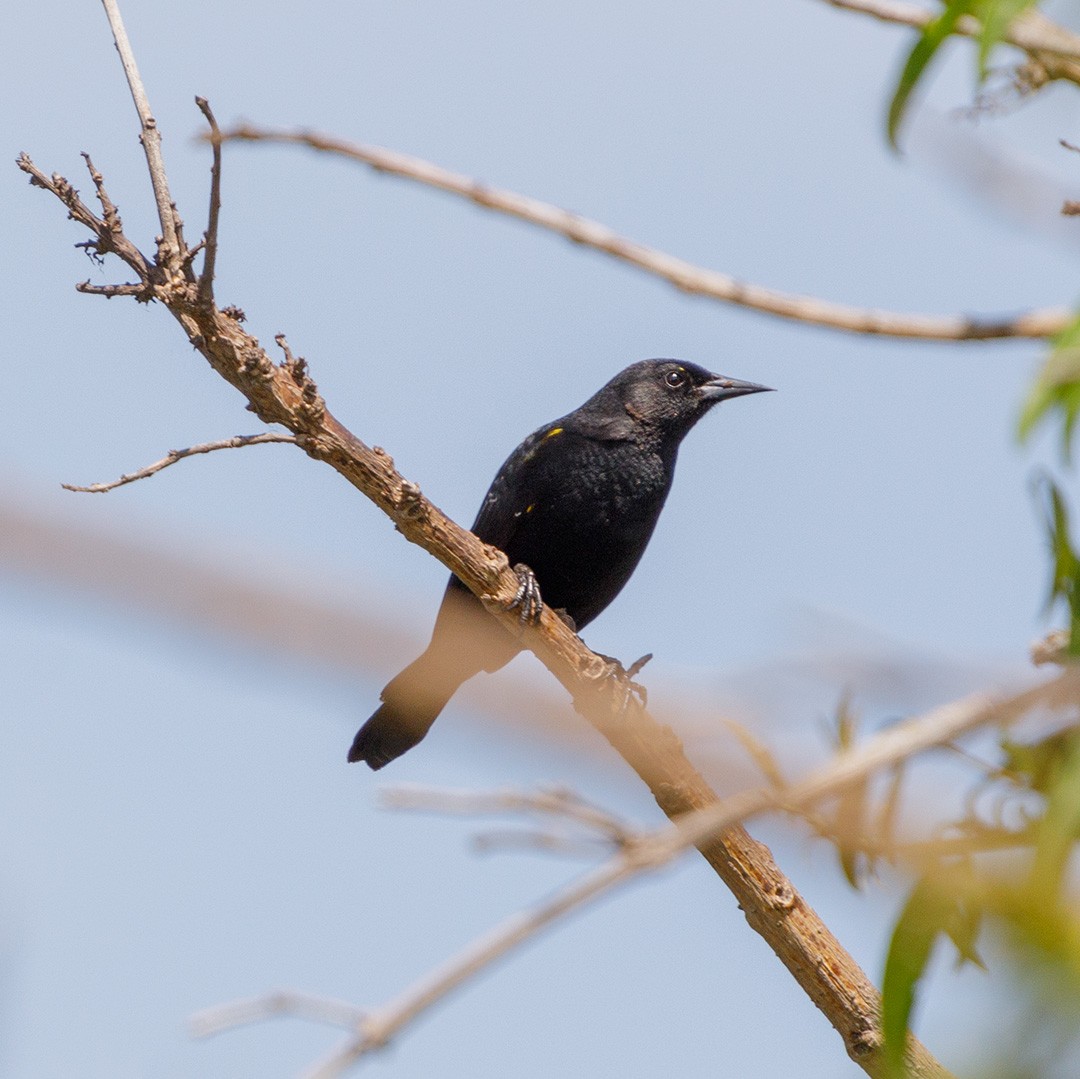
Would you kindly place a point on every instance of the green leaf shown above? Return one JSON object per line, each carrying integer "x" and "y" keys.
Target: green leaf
{"x": 851, "y": 808}
{"x": 1057, "y": 388}
{"x": 1059, "y": 825}
{"x": 890, "y": 807}
{"x": 927, "y": 914}
{"x": 964, "y": 931}
{"x": 996, "y": 17}
{"x": 1065, "y": 578}
{"x": 930, "y": 40}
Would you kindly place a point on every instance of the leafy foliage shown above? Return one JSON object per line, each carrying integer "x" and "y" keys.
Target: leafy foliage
{"x": 994, "y": 18}
{"x": 1030, "y": 903}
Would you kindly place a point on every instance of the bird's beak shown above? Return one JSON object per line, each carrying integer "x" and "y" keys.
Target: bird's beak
{"x": 720, "y": 388}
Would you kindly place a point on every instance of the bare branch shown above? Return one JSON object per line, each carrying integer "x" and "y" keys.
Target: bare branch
{"x": 109, "y": 235}
{"x": 151, "y": 141}
{"x": 685, "y": 276}
{"x": 535, "y": 840}
{"x": 236, "y": 442}
{"x": 213, "y": 1021}
{"x": 109, "y": 291}
{"x": 558, "y": 802}
{"x": 206, "y": 278}
{"x": 377, "y": 1027}
{"x": 109, "y": 212}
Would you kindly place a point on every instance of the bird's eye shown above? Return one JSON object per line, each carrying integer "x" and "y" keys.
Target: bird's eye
{"x": 674, "y": 379}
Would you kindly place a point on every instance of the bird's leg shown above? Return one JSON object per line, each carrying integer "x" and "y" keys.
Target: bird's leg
{"x": 624, "y": 677}
{"x": 526, "y": 601}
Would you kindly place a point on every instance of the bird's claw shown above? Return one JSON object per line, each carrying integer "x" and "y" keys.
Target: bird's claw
{"x": 526, "y": 601}
{"x": 624, "y": 679}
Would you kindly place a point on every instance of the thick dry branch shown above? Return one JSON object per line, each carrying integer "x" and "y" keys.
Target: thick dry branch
{"x": 285, "y": 394}
{"x": 1055, "y": 49}
{"x": 234, "y": 443}
{"x": 684, "y": 275}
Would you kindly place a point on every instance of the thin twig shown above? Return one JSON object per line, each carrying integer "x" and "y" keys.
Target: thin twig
{"x": 150, "y": 138}
{"x": 558, "y": 802}
{"x": 899, "y": 743}
{"x": 206, "y": 278}
{"x": 110, "y": 215}
{"x": 377, "y": 1027}
{"x": 682, "y": 274}
{"x": 213, "y": 1021}
{"x": 236, "y": 442}
{"x": 533, "y": 841}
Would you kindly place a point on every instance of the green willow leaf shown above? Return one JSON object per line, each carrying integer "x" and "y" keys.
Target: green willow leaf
{"x": 930, "y": 40}
{"x": 1057, "y": 389}
{"x": 963, "y": 931}
{"x": 927, "y": 914}
{"x": 996, "y": 16}
{"x": 1065, "y": 573}
{"x": 1059, "y": 826}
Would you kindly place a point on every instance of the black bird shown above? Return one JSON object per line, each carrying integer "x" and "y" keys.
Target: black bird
{"x": 573, "y": 508}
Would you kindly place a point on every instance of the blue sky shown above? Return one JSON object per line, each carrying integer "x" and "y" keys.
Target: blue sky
{"x": 176, "y": 817}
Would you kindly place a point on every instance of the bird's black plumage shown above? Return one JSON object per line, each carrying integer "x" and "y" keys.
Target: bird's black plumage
{"x": 576, "y": 503}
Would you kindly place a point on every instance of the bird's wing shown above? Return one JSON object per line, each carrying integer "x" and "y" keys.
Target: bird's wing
{"x": 517, "y": 487}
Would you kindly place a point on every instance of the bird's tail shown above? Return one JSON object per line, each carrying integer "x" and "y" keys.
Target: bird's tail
{"x": 411, "y": 703}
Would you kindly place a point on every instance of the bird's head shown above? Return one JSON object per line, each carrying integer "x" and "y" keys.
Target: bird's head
{"x": 671, "y": 395}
